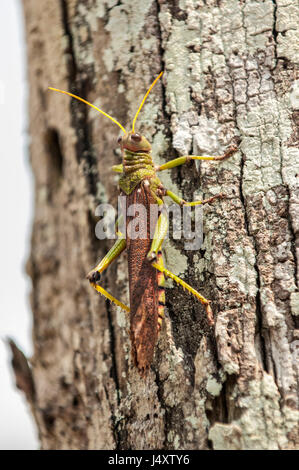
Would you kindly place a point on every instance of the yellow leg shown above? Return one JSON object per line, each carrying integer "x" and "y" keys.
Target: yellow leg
{"x": 95, "y": 274}
{"x": 159, "y": 235}
{"x": 190, "y": 289}
{"x": 187, "y": 158}
{"x": 109, "y": 296}
{"x": 182, "y": 202}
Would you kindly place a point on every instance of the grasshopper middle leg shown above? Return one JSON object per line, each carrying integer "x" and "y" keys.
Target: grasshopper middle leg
{"x": 182, "y": 202}
{"x": 187, "y": 158}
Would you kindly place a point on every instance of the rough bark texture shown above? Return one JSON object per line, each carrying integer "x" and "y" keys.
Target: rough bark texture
{"x": 230, "y": 69}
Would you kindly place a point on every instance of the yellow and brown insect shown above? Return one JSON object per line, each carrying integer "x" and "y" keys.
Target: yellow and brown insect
{"x": 140, "y": 184}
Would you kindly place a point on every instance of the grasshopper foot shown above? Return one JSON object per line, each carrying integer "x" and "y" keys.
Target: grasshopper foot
{"x": 218, "y": 196}
{"x": 211, "y": 199}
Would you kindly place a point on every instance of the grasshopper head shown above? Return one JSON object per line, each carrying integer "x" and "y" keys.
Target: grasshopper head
{"x": 134, "y": 142}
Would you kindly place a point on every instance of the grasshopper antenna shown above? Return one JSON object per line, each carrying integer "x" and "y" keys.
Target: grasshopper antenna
{"x": 91, "y": 105}
{"x": 146, "y": 95}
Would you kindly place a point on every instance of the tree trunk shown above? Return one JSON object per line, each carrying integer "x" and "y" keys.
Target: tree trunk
{"x": 229, "y": 71}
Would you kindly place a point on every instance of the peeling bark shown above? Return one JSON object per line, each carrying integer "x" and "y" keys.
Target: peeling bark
{"x": 230, "y": 71}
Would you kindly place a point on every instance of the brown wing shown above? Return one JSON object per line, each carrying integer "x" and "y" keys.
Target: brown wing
{"x": 143, "y": 284}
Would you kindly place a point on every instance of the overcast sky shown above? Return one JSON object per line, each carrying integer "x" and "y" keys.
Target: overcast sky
{"x": 17, "y": 430}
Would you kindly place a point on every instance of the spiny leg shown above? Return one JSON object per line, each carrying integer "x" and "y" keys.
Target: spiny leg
{"x": 187, "y": 158}
{"x": 110, "y": 297}
{"x": 166, "y": 272}
{"x": 190, "y": 289}
{"x": 155, "y": 256}
{"x": 95, "y": 274}
{"x": 178, "y": 200}
{"x": 180, "y": 161}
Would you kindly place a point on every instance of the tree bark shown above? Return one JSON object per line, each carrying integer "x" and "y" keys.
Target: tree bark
{"x": 230, "y": 70}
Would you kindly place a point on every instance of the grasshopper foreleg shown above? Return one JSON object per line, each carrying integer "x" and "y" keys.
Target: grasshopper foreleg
{"x": 187, "y": 158}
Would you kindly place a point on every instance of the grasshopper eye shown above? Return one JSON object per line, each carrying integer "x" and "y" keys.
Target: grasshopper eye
{"x": 119, "y": 140}
{"x": 136, "y": 137}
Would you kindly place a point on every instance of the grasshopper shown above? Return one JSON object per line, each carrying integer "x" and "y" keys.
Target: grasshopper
{"x": 140, "y": 184}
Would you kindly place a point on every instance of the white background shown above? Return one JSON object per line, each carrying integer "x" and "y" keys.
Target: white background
{"x": 17, "y": 430}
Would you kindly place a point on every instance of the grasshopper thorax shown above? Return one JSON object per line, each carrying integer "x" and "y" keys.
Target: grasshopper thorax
{"x": 134, "y": 142}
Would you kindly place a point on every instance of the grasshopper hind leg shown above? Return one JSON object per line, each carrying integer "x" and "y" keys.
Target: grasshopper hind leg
{"x": 108, "y": 296}
{"x": 155, "y": 257}
{"x": 190, "y": 289}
